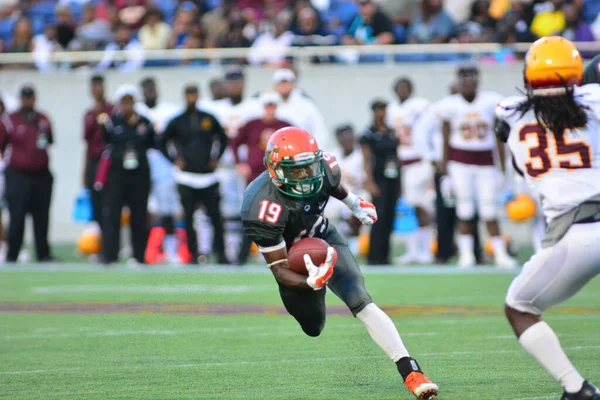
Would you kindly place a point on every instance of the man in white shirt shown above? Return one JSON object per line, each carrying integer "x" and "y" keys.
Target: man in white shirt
{"x": 164, "y": 202}
{"x": 123, "y": 41}
{"x": 300, "y": 110}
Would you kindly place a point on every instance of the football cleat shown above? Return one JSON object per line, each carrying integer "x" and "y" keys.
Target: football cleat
{"x": 419, "y": 385}
{"x": 466, "y": 261}
{"x": 587, "y": 392}
{"x": 504, "y": 261}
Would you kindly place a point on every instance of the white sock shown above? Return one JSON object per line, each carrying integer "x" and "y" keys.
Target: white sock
{"x": 204, "y": 232}
{"x": 465, "y": 244}
{"x": 425, "y": 234}
{"x": 170, "y": 246}
{"x": 3, "y": 251}
{"x": 541, "y": 342}
{"x": 412, "y": 243}
{"x": 538, "y": 232}
{"x": 498, "y": 245}
{"x": 383, "y": 331}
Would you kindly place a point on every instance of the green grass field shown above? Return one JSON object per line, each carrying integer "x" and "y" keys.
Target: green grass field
{"x": 87, "y": 333}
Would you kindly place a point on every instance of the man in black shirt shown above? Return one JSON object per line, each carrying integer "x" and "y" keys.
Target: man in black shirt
{"x": 371, "y": 26}
{"x": 592, "y": 71}
{"x": 195, "y": 141}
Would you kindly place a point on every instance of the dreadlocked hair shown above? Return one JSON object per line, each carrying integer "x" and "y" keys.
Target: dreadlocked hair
{"x": 557, "y": 112}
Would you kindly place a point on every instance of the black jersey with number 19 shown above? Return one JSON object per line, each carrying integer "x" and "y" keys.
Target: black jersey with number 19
{"x": 270, "y": 217}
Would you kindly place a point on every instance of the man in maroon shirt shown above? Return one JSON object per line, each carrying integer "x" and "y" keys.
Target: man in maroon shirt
{"x": 255, "y": 135}
{"x": 25, "y": 136}
{"x": 92, "y": 134}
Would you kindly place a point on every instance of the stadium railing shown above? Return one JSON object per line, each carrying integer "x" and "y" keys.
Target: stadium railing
{"x": 344, "y": 54}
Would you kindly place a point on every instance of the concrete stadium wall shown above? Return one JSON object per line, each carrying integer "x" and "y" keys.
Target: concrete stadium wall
{"x": 342, "y": 92}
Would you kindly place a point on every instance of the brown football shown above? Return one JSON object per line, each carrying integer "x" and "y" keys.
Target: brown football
{"x": 314, "y": 247}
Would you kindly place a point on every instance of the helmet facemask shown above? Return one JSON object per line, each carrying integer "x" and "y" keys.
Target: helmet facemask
{"x": 300, "y": 177}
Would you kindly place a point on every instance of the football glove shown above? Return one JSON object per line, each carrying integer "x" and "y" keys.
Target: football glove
{"x": 319, "y": 276}
{"x": 364, "y": 211}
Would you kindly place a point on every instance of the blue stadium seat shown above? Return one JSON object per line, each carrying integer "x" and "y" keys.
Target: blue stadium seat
{"x": 343, "y": 10}
{"x": 6, "y": 29}
{"x": 400, "y": 34}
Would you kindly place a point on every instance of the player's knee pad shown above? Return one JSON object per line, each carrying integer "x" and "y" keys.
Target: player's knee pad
{"x": 465, "y": 209}
{"x": 168, "y": 224}
{"x": 521, "y": 305}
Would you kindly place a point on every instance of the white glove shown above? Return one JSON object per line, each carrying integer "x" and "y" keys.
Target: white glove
{"x": 319, "y": 276}
{"x": 363, "y": 210}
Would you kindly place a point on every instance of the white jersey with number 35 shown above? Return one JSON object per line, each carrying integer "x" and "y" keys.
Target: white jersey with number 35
{"x": 563, "y": 171}
{"x": 402, "y": 117}
{"x": 471, "y": 124}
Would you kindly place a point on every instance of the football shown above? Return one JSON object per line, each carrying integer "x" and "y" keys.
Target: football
{"x": 314, "y": 247}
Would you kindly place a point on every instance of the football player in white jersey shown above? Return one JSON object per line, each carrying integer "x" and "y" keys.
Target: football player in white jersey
{"x": 470, "y": 146}
{"x": 403, "y": 116}
{"x": 553, "y": 133}
{"x": 164, "y": 201}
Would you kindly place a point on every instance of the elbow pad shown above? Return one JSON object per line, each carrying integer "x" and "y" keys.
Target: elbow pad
{"x": 502, "y": 131}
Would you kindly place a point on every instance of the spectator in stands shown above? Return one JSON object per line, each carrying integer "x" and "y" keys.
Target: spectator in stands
{"x": 270, "y": 48}
{"x": 309, "y": 33}
{"x": 123, "y": 41}
{"x": 65, "y": 26}
{"x": 28, "y": 177}
{"x": 298, "y": 7}
{"x": 155, "y": 33}
{"x": 197, "y": 141}
{"x": 184, "y": 19}
{"x": 591, "y": 11}
{"x": 431, "y": 24}
{"x": 129, "y": 136}
{"x": 512, "y": 29}
{"x": 549, "y": 18}
{"x": 400, "y": 12}
{"x": 254, "y": 135}
{"x": 94, "y": 138}
{"x": 216, "y": 22}
{"x": 22, "y": 38}
{"x": 235, "y": 39}
{"x": 43, "y": 46}
{"x": 371, "y": 26}
{"x": 480, "y": 26}
{"x": 93, "y": 33}
{"x": 382, "y": 167}
{"x": 576, "y": 29}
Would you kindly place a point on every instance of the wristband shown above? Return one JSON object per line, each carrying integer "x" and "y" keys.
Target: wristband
{"x": 351, "y": 201}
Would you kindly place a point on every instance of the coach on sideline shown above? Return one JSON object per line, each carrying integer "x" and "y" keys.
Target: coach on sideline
{"x": 195, "y": 141}
{"x": 27, "y": 134}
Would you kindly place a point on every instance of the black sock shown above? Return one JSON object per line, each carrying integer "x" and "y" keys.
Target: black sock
{"x": 407, "y": 365}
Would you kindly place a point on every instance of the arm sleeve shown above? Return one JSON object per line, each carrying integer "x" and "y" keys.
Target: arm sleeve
{"x": 50, "y": 131}
{"x": 222, "y": 136}
{"x": 163, "y": 140}
{"x": 332, "y": 168}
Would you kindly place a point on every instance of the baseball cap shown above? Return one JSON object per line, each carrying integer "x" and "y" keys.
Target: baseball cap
{"x": 127, "y": 90}
{"x": 270, "y": 98}
{"x": 27, "y": 91}
{"x": 284, "y": 75}
{"x": 234, "y": 74}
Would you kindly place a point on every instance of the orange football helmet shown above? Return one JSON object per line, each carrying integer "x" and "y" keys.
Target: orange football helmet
{"x": 551, "y": 63}
{"x": 294, "y": 162}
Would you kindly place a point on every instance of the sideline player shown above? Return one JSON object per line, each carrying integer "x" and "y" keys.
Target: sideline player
{"x": 552, "y": 133}
{"x": 283, "y": 205}
{"x": 468, "y": 128}
{"x": 417, "y": 174}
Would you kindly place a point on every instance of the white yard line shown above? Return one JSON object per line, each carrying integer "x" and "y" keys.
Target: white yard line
{"x": 38, "y": 371}
{"x": 551, "y": 396}
{"x": 229, "y": 289}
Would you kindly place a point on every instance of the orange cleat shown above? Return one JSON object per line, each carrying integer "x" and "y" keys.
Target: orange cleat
{"x": 419, "y": 385}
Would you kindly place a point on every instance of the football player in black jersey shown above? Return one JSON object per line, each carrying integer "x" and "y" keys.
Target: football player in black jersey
{"x": 285, "y": 204}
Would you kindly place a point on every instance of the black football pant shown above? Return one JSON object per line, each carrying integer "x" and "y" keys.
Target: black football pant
{"x": 28, "y": 193}
{"x": 347, "y": 282}
{"x": 96, "y": 195}
{"x": 191, "y": 198}
{"x": 125, "y": 188}
{"x": 446, "y": 225}
{"x": 379, "y": 248}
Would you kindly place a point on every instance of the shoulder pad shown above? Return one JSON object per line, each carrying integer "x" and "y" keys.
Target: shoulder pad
{"x": 589, "y": 97}
{"x": 505, "y": 109}
{"x": 332, "y": 169}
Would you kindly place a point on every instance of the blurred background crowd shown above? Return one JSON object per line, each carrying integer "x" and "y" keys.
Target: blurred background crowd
{"x": 269, "y": 27}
